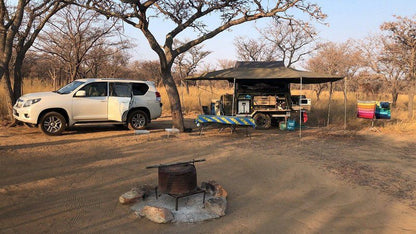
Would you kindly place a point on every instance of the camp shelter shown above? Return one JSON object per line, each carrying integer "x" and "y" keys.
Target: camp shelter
{"x": 264, "y": 76}
{"x": 266, "y": 72}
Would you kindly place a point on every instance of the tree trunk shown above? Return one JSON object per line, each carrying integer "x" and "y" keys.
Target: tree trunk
{"x": 10, "y": 96}
{"x": 411, "y": 97}
{"x": 17, "y": 78}
{"x": 318, "y": 95}
{"x": 73, "y": 75}
{"x": 395, "y": 96}
{"x": 174, "y": 100}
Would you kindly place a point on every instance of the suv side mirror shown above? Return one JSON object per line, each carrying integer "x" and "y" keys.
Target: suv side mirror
{"x": 80, "y": 93}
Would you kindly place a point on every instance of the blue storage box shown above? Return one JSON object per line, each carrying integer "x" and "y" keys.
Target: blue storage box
{"x": 291, "y": 125}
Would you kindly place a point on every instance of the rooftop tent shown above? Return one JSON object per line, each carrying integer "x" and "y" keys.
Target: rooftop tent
{"x": 275, "y": 71}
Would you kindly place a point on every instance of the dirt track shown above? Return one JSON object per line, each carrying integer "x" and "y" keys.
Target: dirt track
{"x": 328, "y": 182}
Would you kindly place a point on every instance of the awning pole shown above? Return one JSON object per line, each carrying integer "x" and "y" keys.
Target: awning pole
{"x": 300, "y": 109}
{"x": 199, "y": 95}
{"x": 232, "y": 108}
{"x": 345, "y": 103}
{"x": 329, "y": 104}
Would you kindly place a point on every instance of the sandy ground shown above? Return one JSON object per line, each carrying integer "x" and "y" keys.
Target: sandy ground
{"x": 330, "y": 181}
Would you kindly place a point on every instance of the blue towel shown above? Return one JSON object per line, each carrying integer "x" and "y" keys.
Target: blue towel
{"x": 385, "y": 105}
{"x": 383, "y": 110}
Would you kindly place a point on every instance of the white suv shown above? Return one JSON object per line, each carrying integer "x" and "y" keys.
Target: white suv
{"x": 108, "y": 100}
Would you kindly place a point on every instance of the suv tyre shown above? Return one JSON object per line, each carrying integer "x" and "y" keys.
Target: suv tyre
{"x": 137, "y": 120}
{"x": 52, "y": 123}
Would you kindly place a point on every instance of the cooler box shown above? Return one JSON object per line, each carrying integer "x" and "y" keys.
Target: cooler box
{"x": 282, "y": 126}
{"x": 291, "y": 124}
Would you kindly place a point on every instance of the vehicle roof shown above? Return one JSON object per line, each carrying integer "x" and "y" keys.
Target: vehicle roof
{"x": 113, "y": 79}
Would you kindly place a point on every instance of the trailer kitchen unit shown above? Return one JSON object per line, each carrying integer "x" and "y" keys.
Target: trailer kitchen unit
{"x": 262, "y": 91}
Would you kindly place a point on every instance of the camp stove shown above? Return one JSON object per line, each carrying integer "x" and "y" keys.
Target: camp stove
{"x": 178, "y": 180}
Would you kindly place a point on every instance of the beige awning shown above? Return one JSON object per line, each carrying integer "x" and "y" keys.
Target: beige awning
{"x": 266, "y": 71}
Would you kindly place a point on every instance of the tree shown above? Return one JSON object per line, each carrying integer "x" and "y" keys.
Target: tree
{"x": 336, "y": 59}
{"x": 81, "y": 31}
{"x": 290, "y": 41}
{"x": 286, "y": 41}
{"x": 20, "y": 25}
{"x": 189, "y": 15}
{"x": 403, "y": 33}
{"x": 342, "y": 59}
{"x": 147, "y": 70}
{"x": 225, "y": 63}
{"x": 187, "y": 63}
{"x": 249, "y": 49}
{"x": 107, "y": 61}
{"x": 379, "y": 54}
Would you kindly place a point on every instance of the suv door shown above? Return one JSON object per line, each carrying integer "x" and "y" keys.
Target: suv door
{"x": 119, "y": 101}
{"x": 93, "y": 106}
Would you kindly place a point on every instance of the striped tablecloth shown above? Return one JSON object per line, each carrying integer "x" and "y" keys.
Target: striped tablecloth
{"x": 221, "y": 119}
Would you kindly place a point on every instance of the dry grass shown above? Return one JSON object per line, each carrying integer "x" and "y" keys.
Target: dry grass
{"x": 29, "y": 86}
{"x": 319, "y": 112}
{"x": 193, "y": 101}
{"x": 197, "y": 97}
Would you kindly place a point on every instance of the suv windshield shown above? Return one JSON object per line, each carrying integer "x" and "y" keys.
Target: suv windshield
{"x": 69, "y": 87}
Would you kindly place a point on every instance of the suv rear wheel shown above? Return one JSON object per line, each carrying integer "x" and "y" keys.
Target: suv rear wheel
{"x": 137, "y": 120}
{"x": 52, "y": 123}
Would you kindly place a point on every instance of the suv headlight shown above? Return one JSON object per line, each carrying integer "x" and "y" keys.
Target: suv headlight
{"x": 31, "y": 102}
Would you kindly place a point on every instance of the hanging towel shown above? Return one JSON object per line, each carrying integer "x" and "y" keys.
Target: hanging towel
{"x": 385, "y": 105}
{"x": 366, "y": 109}
{"x": 305, "y": 117}
{"x": 383, "y": 110}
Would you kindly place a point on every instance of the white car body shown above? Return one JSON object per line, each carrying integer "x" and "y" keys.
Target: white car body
{"x": 86, "y": 109}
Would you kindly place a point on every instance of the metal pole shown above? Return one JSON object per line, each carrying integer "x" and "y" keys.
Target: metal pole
{"x": 233, "y": 103}
{"x": 345, "y": 103}
{"x": 300, "y": 109}
{"x": 329, "y": 104}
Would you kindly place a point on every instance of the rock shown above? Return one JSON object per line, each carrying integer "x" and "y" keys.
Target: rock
{"x": 216, "y": 205}
{"x": 220, "y": 191}
{"x": 131, "y": 196}
{"x": 215, "y": 189}
{"x": 208, "y": 187}
{"x": 136, "y": 194}
{"x": 156, "y": 214}
{"x": 146, "y": 189}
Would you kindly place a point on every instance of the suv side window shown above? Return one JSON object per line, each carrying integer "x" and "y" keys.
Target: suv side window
{"x": 96, "y": 89}
{"x": 140, "y": 88}
{"x": 120, "y": 89}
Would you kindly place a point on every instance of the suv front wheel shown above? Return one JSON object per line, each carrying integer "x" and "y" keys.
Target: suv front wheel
{"x": 137, "y": 120}
{"x": 52, "y": 123}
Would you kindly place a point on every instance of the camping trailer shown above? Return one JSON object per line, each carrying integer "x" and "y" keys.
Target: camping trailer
{"x": 262, "y": 91}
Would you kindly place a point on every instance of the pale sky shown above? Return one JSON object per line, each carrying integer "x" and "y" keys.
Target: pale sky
{"x": 347, "y": 19}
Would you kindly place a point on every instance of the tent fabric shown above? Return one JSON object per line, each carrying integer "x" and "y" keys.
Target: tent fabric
{"x": 267, "y": 71}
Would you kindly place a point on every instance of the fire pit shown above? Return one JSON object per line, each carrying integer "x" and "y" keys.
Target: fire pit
{"x": 178, "y": 180}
